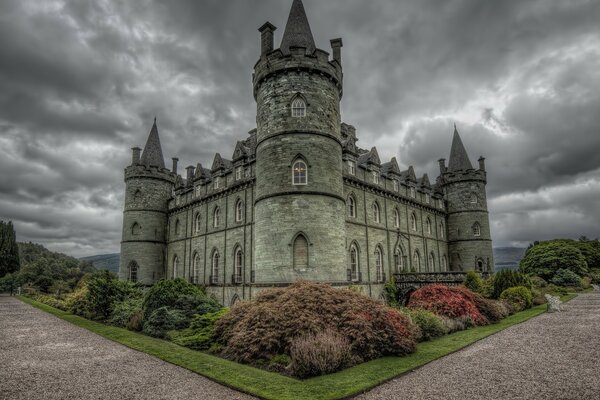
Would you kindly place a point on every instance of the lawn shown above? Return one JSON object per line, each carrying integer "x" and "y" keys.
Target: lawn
{"x": 270, "y": 385}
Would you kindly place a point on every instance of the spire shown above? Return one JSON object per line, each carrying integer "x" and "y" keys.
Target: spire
{"x": 297, "y": 31}
{"x": 152, "y": 154}
{"x": 459, "y": 160}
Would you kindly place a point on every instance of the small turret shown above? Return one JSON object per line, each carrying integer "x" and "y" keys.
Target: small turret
{"x": 152, "y": 155}
{"x": 297, "y": 30}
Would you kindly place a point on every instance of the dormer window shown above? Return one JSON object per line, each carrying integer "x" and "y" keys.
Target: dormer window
{"x": 351, "y": 167}
{"x": 395, "y": 184}
{"x": 413, "y": 193}
{"x": 216, "y": 183}
{"x": 426, "y": 198}
{"x": 238, "y": 173}
{"x": 375, "y": 177}
{"x": 298, "y": 108}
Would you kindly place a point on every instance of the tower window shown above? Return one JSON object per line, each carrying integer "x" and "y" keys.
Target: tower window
{"x": 136, "y": 229}
{"x": 133, "y": 271}
{"x": 298, "y": 108}
{"x": 473, "y": 198}
{"x": 300, "y": 252}
{"x": 351, "y": 167}
{"x": 351, "y": 207}
{"x": 476, "y": 229}
{"x": 299, "y": 173}
{"x": 239, "y": 211}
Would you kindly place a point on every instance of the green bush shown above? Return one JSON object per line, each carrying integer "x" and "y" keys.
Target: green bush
{"x": 136, "y": 322}
{"x": 507, "y": 278}
{"x": 566, "y": 277}
{"x": 123, "y": 311}
{"x": 320, "y": 354}
{"x": 545, "y": 258}
{"x": 179, "y": 294}
{"x": 77, "y": 302}
{"x": 199, "y": 335}
{"x": 104, "y": 290}
{"x": 164, "y": 319}
{"x": 431, "y": 325}
{"x": 519, "y": 297}
{"x": 51, "y": 301}
{"x": 473, "y": 282}
{"x": 390, "y": 292}
{"x": 538, "y": 282}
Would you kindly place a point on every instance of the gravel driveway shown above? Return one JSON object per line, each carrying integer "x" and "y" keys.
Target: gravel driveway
{"x": 44, "y": 357}
{"x": 553, "y": 356}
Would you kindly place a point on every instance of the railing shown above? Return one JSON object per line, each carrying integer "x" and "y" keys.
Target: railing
{"x": 419, "y": 279}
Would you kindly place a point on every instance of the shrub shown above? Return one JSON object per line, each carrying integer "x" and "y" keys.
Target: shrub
{"x": 453, "y": 325}
{"x": 180, "y": 294}
{"x": 51, "y": 301}
{"x": 77, "y": 302}
{"x": 473, "y": 282}
{"x": 320, "y": 354}
{"x": 448, "y": 302}
{"x": 390, "y": 292}
{"x": 199, "y": 336}
{"x": 104, "y": 289}
{"x": 123, "y": 311}
{"x": 267, "y": 326}
{"x": 135, "y": 322}
{"x": 538, "y": 282}
{"x": 566, "y": 277}
{"x": 519, "y": 297}
{"x": 545, "y": 258}
{"x": 164, "y": 319}
{"x": 431, "y": 325}
{"x": 507, "y": 278}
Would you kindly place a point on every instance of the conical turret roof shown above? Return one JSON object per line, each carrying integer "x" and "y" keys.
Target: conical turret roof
{"x": 152, "y": 154}
{"x": 297, "y": 31}
{"x": 459, "y": 159}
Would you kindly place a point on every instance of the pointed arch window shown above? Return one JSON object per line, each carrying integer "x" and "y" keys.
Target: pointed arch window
{"x": 299, "y": 173}
{"x": 300, "y": 249}
{"x": 416, "y": 261}
{"x": 238, "y": 262}
{"x": 380, "y": 276}
{"x": 431, "y": 262}
{"x": 444, "y": 264}
{"x": 376, "y": 212}
{"x": 413, "y": 222}
{"x": 441, "y": 230}
{"x": 351, "y": 207}
{"x": 216, "y": 217}
{"x": 177, "y": 227}
{"x": 198, "y": 222}
{"x": 137, "y": 195}
{"x": 399, "y": 260}
{"x": 428, "y": 226}
{"x": 196, "y": 269}
{"x": 136, "y": 229}
{"x": 239, "y": 211}
{"x": 353, "y": 271}
{"x": 476, "y": 229}
{"x": 298, "y": 108}
{"x": 214, "y": 268}
{"x": 175, "y": 266}
{"x": 396, "y": 218}
{"x": 474, "y": 198}
{"x": 133, "y": 271}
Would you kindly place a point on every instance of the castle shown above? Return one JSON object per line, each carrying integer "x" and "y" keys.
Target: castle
{"x": 299, "y": 199}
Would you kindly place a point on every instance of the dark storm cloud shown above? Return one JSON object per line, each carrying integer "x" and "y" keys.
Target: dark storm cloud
{"x": 80, "y": 82}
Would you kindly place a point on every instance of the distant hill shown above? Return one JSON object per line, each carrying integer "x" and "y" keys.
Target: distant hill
{"x": 105, "y": 261}
{"x": 508, "y": 257}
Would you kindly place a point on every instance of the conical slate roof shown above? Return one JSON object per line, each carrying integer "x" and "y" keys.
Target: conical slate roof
{"x": 297, "y": 31}
{"x": 459, "y": 160}
{"x": 152, "y": 154}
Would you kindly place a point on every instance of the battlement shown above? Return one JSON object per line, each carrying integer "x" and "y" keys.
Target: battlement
{"x": 151, "y": 172}
{"x": 467, "y": 175}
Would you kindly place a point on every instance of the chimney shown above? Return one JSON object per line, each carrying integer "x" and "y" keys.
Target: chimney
{"x": 174, "y": 169}
{"x": 481, "y": 163}
{"x": 135, "y": 156}
{"x": 336, "y": 46}
{"x": 266, "y": 38}
{"x": 442, "y": 162}
{"x": 190, "y": 175}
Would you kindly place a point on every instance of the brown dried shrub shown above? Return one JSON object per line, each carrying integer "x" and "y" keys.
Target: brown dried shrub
{"x": 320, "y": 354}
{"x": 260, "y": 329}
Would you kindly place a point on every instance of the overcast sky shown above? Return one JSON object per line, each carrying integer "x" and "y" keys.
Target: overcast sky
{"x": 80, "y": 82}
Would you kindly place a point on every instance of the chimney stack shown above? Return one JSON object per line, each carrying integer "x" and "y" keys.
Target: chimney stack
{"x": 336, "y": 46}
{"x": 266, "y": 38}
{"x": 442, "y": 162}
{"x": 135, "y": 156}
{"x": 190, "y": 175}
{"x": 481, "y": 163}
{"x": 174, "y": 169}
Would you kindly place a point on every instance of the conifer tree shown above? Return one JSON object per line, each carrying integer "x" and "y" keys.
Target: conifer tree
{"x": 9, "y": 251}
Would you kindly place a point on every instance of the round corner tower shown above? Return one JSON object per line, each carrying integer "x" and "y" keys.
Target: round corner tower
{"x": 148, "y": 187}
{"x": 469, "y": 238}
{"x": 299, "y": 203}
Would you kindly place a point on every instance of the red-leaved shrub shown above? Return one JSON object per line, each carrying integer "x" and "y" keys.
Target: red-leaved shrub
{"x": 449, "y": 302}
{"x": 267, "y": 326}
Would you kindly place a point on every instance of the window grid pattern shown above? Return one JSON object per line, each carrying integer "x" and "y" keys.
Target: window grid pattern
{"x": 299, "y": 173}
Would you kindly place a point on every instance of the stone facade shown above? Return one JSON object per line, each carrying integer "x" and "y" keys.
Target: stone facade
{"x": 299, "y": 199}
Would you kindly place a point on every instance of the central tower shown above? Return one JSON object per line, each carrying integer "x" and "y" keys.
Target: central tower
{"x": 299, "y": 203}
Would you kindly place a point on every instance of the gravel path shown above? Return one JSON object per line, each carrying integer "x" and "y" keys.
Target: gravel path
{"x": 553, "y": 356}
{"x": 44, "y": 357}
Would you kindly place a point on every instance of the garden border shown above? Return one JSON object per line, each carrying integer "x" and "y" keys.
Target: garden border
{"x": 268, "y": 385}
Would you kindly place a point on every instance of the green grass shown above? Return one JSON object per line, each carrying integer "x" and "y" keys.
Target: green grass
{"x": 270, "y": 385}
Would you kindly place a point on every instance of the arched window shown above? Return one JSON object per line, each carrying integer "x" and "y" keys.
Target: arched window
{"x": 354, "y": 273}
{"x": 395, "y": 184}
{"x": 234, "y": 300}
{"x": 198, "y": 223}
{"x": 428, "y": 226}
{"x": 298, "y": 108}
{"x": 396, "y": 218}
{"x": 444, "y": 265}
{"x": 175, "y": 266}
{"x": 136, "y": 229}
{"x": 380, "y": 276}
{"x": 239, "y": 211}
{"x": 376, "y": 213}
{"x": 480, "y": 265}
{"x": 238, "y": 262}
{"x": 216, "y": 217}
{"x": 431, "y": 262}
{"x": 416, "y": 261}
{"x": 375, "y": 175}
{"x": 351, "y": 207}
{"x": 177, "y": 227}
{"x": 441, "y": 230}
{"x": 300, "y": 255}
{"x": 413, "y": 222}
{"x": 196, "y": 269}
{"x": 133, "y": 271}
{"x": 473, "y": 198}
{"x": 214, "y": 268}
{"x": 299, "y": 173}
{"x": 399, "y": 260}
{"x": 137, "y": 195}
{"x": 476, "y": 229}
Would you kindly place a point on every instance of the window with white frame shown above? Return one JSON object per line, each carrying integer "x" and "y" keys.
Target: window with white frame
{"x": 351, "y": 207}
{"x": 351, "y": 167}
{"x": 196, "y": 268}
{"x": 238, "y": 173}
{"x": 198, "y": 222}
{"x": 476, "y": 229}
{"x": 237, "y": 267}
{"x": 376, "y": 212}
{"x": 239, "y": 211}
{"x": 379, "y": 276}
{"x": 413, "y": 222}
{"x": 216, "y": 217}
{"x": 298, "y": 108}
{"x": 354, "y": 268}
{"x": 396, "y": 218}
{"x": 299, "y": 173}
{"x": 214, "y": 278}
